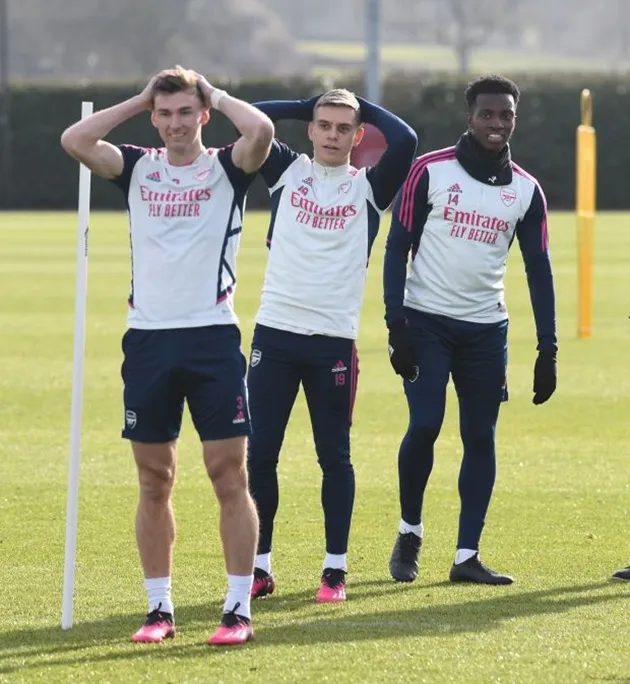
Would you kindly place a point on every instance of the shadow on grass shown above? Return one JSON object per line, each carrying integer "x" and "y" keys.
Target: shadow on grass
{"x": 50, "y": 646}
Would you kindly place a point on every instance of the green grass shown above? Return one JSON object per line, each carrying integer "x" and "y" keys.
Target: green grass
{"x": 558, "y": 520}
{"x": 443, "y": 57}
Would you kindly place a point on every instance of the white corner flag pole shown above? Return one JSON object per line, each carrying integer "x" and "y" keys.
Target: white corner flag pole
{"x": 85, "y": 179}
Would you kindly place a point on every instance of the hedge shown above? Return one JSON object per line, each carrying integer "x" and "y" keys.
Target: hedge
{"x": 43, "y": 176}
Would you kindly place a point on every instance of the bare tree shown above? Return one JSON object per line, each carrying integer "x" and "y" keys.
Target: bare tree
{"x": 471, "y": 26}
{"x": 225, "y": 36}
{"x": 98, "y": 39}
{"x": 147, "y": 35}
{"x": 463, "y": 25}
{"x": 112, "y": 39}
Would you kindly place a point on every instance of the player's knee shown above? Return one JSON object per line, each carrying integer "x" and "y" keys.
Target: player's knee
{"x": 334, "y": 460}
{"x": 227, "y": 470}
{"x": 261, "y": 456}
{"x": 424, "y": 431}
{"x": 156, "y": 482}
{"x": 479, "y": 439}
{"x": 229, "y": 483}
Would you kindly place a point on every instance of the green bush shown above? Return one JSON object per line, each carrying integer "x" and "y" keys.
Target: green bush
{"x": 43, "y": 176}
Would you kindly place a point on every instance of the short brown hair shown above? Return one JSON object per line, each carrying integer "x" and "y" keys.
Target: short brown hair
{"x": 176, "y": 80}
{"x": 340, "y": 97}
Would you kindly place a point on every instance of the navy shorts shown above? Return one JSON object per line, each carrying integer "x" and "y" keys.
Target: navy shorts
{"x": 203, "y": 367}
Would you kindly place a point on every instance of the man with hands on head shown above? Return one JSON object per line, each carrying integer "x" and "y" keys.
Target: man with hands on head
{"x": 185, "y": 205}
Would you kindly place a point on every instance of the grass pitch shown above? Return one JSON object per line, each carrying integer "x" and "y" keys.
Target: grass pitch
{"x": 558, "y": 520}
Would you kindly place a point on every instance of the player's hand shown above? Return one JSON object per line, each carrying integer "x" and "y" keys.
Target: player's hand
{"x": 147, "y": 94}
{"x": 545, "y": 376}
{"x": 402, "y": 351}
{"x": 205, "y": 88}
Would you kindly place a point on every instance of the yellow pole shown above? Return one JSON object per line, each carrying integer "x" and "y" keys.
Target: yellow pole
{"x": 585, "y": 207}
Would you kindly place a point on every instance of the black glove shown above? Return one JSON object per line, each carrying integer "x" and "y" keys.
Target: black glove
{"x": 545, "y": 376}
{"x": 402, "y": 351}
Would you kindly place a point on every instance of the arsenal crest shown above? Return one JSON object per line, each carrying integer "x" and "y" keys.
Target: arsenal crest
{"x": 344, "y": 187}
{"x": 508, "y": 196}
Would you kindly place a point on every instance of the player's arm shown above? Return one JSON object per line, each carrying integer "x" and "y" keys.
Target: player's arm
{"x": 281, "y": 156}
{"x": 390, "y": 172}
{"x": 533, "y": 240}
{"x": 256, "y": 129}
{"x": 409, "y": 215}
{"x": 298, "y": 110}
{"x": 84, "y": 140}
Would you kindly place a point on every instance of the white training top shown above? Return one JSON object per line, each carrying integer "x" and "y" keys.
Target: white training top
{"x": 463, "y": 229}
{"x": 185, "y": 224}
{"x": 324, "y": 221}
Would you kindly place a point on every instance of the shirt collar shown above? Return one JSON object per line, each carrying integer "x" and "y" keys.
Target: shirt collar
{"x": 321, "y": 171}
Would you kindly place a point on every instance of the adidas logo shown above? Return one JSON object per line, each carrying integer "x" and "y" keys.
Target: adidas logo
{"x": 308, "y": 181}
{"x": 454, "y": 188}
{"x": 239, "y": 418}
{"x": 339, "y": 367}
{"x": 155, "y": 176}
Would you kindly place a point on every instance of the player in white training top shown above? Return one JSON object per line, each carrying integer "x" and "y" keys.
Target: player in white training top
{"x": 325, "y": 217}
{"x": 185, "y": 205}
{"x": 458, "y": 214}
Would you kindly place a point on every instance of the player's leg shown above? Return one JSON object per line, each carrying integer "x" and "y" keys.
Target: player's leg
{"x": 153, "y": 401}
{"x": 225, "y": 461}
{"x": 273, "y": 380}
{"x": 155, "y": 535}
{"x": 479, "y": 373}
{"x": 214, "y": 371}
{"x": 330, "y": 383}
{"x": 426, "y": 400}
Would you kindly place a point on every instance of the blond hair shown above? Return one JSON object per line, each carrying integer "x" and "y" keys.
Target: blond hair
{"x": 340, "y": 97}
{"x": 176, "y": 80}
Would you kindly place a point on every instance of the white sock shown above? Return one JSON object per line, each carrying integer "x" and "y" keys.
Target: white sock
{"x": 463, "y": 555}
{"x": 337, "y": 561}
{"x": 263, "y": 562}
{"x": 159, "y": 593}
{"x": 406, "y": 528}
{"x": 239, "y": 588}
